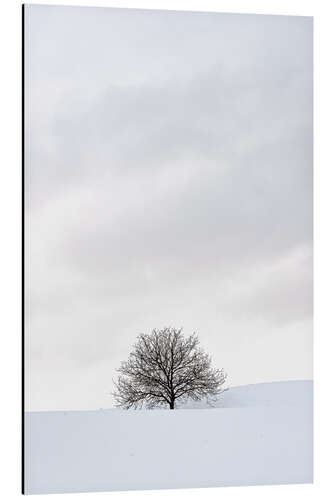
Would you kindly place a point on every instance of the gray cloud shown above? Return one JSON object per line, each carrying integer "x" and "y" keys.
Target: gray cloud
{"x": 169, "y": 181}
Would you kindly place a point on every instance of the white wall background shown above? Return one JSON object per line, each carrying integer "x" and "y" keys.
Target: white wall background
{"x": 10, "y": 47}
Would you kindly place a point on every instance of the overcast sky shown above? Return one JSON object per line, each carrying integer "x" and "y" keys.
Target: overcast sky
{"x": 168, "y": 182}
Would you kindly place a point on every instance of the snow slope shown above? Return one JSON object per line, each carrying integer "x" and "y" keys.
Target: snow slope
{"x": 291, "y": 393}
{"x": 258, "y": 434}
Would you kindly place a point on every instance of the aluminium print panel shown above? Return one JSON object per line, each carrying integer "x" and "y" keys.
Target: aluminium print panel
{"x": 167, "y": 249}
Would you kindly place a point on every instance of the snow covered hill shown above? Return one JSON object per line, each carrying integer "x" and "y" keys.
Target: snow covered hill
{"x": 256, "y": 434}
{"x": 291, "y": 393}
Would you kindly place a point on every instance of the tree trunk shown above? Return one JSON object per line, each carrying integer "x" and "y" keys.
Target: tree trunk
{"x": 172, "y": 405}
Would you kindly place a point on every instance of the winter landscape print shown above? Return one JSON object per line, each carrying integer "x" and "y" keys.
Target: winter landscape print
{"x": 168, "y": 249}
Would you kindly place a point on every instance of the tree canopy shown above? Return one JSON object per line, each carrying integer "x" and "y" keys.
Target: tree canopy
{"x": 163, "y": 367}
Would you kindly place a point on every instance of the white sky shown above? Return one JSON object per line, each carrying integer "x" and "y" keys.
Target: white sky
{"x": 169, "y": 182}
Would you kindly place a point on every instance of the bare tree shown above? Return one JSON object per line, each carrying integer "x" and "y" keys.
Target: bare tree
{"x": 163, "y": 367}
